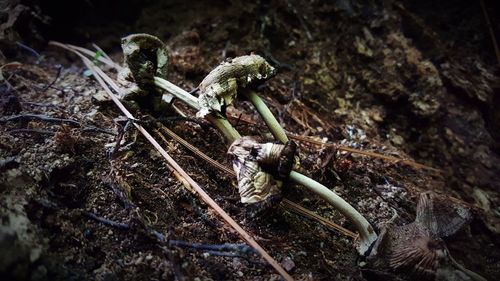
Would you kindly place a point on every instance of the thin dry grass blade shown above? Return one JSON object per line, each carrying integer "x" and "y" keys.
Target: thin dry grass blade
{"x": 362, "y": 152}
{"x": 490, "y": 30}
{"x": 346, "y": 148}
{"x": 195, "y": 150}
{"x": 92, "y": 54}
{"x": 303, "y": 211}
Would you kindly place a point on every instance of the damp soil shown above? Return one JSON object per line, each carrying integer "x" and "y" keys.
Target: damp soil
{"x": 417, "y": 80}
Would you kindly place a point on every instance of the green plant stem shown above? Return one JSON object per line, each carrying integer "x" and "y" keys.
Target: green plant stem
{"x": 267, "y": 116}
{"x": 216, "y": 119}
{"x": 177, "y": 92}
{"x": 366, "y": 233}
{"x": 224, "y": 126}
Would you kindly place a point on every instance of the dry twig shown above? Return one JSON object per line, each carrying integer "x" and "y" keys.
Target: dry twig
{"x": 105, "y": 221}
{"x": 362, "y": 152}
{"x": 346, "y": 148}
{"x": 490, "y": 29}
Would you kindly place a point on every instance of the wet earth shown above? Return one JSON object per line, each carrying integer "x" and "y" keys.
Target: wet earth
{"x": 415, "y": 80}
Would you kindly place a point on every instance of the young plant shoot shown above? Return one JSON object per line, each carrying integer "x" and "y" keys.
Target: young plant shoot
{"x": 217, "y": 91}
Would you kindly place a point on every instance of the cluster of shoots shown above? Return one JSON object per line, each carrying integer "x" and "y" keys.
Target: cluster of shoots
{"x": 220, "y": 88}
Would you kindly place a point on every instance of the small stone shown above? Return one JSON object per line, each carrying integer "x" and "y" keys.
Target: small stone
{"x": 362, "y": 48}
{"x": 13, "y": 173}
{"x": 308, "y": 81}
{"x": 288, "y": 264}
{"x": 40, "y": 273}
{"x": 101, "y": 96}
{"x": 397, "y": 139}
{"x": 87, "y": 233}
{"x": 35, "y": 254}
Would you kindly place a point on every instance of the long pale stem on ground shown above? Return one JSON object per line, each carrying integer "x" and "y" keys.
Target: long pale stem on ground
{"x": 224, "y": 126}
{"x": 268, "y": 116}
{"x": 366, "y": 233}
{"x": 218, "y": 121}
{"x": 177, "y": 92}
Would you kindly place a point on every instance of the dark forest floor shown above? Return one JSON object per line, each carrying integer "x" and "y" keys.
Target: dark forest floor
{"x": 412, "y": 79}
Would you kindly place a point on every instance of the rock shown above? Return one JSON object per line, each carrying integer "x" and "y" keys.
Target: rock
{"x": 20, "y": 246}
{"x": 288, "y": 264}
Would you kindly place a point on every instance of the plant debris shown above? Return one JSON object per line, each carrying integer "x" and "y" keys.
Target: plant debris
{"x": 219, "y": 88}
{"x": 260, "y": 169}
{"x": 418, "y": 249}
{"x": 412, "y": 80}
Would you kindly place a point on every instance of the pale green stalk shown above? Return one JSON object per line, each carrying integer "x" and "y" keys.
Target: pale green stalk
{"x": 365, "y": 230}
{"x": 224, "y": 126}
{"x": 366, "y": 233}
{"x": 218, "y": 121}
{"x": 267, "y": 116}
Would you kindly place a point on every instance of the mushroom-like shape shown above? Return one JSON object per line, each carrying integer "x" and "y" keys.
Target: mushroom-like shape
{"x": 418, "y": 249}
{"x": 146, "y": 57}
{"x": 219, "y": 88}
{"x": 259, "y": 167}
{"x": 443, "y": 216}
